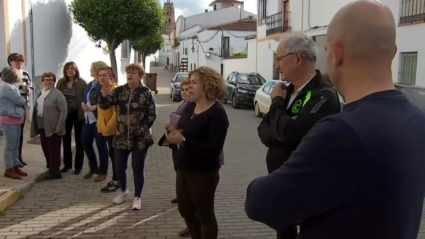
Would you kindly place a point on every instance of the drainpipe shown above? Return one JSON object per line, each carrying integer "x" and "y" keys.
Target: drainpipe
{"x": 302, "y": 16}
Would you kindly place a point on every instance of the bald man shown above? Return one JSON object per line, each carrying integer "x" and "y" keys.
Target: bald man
{"x": 359, "y": 174}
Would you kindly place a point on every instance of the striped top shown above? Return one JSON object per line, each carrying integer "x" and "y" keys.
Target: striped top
{"x": 70, "y": 97}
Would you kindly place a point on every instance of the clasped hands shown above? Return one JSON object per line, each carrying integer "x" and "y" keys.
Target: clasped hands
{"x": 88, "y": 108}
{"x": 173, "y": 135}
{"x": 279, "y": 89}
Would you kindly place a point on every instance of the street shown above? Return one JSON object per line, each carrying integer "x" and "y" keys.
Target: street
{"x": 75, "y": 208}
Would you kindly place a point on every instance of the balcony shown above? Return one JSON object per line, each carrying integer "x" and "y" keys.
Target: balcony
{"x": 277, "y": 23}
{"x": 412, "y": 11}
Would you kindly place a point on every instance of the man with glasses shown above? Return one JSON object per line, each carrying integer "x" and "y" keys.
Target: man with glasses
{"x": 295, "y": 108}
{"x": 16, "y": 61}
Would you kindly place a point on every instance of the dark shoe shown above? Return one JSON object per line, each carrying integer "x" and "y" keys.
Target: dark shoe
{"x": 65, "y": 170}
{"x": 22, "y": 161}
{"x": 110, "y": 187}
{"x": 20, "y": 172}
{"x": 100, "y": 178}
{"x": 174, "y": 201}
{"x": 89, "y": 175}
{"x": 184, "y": 233}
{"x": 11, "y": 173}
{"x": 77, "y": 171}
{"x": 50, "y": 176}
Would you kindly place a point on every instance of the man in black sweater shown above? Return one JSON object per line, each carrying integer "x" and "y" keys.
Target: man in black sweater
{"x": 360, "y": 173}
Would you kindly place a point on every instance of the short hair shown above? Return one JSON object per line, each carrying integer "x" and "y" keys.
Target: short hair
{"x": 10, "y": 75}
{"x": 184, "y": 83}
{"x": 97, "y": 65}
{"x": 48, "y": 74}
{"x": 15, "y": 57}
{"x": 212, "y": 81}
{"x": 299, "y": 42}
{"x": 66, "y": 66}
{"x": 135, "y": 67}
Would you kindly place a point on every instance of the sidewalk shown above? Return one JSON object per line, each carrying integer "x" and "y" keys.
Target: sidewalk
{"x": 10, "y": 189}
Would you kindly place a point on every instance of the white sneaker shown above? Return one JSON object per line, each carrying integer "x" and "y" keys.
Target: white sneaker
{"x": 137, "y": 204}
{"x": 121, "y": 198}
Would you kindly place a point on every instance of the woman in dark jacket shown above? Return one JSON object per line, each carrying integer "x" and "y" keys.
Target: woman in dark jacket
{"x": 72, "y": 87}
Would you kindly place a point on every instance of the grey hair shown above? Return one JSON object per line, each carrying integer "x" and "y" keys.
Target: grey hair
{"x": 302, "y": 44}
{"x": 10, "y": 75}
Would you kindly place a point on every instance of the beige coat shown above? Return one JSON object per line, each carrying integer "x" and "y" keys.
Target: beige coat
{"x": 55, "y": 111}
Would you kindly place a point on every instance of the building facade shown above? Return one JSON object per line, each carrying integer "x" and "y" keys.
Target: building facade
{"x": 170, "y": 20}
{"x": 205, "y": 39}
{"x": 313, "y": 17}
{"x": 44, "y": 32}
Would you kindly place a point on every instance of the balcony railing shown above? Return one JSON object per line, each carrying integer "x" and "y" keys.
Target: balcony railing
{"x": 278, "y": 22}
{"x": 412, "y": 11}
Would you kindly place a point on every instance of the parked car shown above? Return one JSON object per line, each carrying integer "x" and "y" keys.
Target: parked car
{"x": 175, "y": 93}
{"x": 241, "y": 88}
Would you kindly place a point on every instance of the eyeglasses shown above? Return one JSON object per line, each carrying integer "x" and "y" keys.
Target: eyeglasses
{"x": 281, "y": 57}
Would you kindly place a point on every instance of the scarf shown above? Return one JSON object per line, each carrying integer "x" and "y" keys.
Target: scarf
{"x": 40, "y": 101}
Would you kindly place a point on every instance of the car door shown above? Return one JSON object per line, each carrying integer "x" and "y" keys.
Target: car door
{"x": 263, "y": 96}
{"x": 267, "y": 100}
{"x": 231, "y": 85}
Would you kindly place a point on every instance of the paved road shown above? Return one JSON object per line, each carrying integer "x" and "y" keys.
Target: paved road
{"x": 74, "y": 207}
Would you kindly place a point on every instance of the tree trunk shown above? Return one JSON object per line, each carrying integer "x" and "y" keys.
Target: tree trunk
{"x": 144, "y": 60}
{"x": 113, "y": 59}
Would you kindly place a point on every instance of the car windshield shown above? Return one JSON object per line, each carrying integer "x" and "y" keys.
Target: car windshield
{"x": 251, "y": 79}
{"x": 181, "y": 77}
{"x": 415, "y": 95}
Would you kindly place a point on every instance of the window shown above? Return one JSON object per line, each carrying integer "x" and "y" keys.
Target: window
{"x": 408, "y": 67}
{"x": 268, "y": 87}
{"x": 262, "y": 11}
{"x": 232, "y": 79}
{"x": 169, "y": 19}
{"x": 225, "y": 43}
{"x": 124, "y": 49}
{"x": 412, "y": 11}
{"x": 251, "y": 79}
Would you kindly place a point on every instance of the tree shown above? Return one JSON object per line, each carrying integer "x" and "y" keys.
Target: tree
{"x": 114, "y": 21}
{"x": 148, "y": 44}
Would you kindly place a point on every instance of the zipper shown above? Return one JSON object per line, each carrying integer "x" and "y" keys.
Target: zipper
{"x": 128, "y": 120}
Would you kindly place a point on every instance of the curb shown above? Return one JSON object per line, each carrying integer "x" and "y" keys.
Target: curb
{"x": 11, "y": 196}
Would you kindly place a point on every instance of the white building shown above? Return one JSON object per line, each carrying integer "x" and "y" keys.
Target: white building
{"x": 313, "y": 16}
{"x": 206, "y": 39}
{"x": 44, "y": 32}
{"x": 165, "y": 52}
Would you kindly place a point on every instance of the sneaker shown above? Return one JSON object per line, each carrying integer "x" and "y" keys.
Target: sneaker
{"x": 137, "y": 204}
{"x": 174, "y": 201}
{"x": 184, "y": 233}
{"x": 110, "y": 187}
{"x": 121, "y": 198}
{"x": 50, "y": 176}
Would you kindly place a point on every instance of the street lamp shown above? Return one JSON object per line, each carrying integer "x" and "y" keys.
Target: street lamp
{"x": 209, "y": 53}
{"x": 193, "y": 48}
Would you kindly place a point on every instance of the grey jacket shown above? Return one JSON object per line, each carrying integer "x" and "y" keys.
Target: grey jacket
{"x": 55, "y": 111}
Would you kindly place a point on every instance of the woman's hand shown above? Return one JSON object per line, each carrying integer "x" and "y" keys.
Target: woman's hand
{"x": 174, "y": 136}
{"x": 169, "y": 126}
{"x": 92, "y": 108}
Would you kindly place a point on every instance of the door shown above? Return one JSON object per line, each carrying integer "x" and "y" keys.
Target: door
{"x": 225, "y": 44}
{"x": 231, "y": 85}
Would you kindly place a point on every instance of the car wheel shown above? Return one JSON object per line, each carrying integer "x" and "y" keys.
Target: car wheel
{"x": 257, "y": 110}
{"x": 235, "y": 103}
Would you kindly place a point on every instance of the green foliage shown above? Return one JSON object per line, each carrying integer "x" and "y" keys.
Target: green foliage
{"x": 149, "y": 44}
{"x": 240, "y": 54}
{"x": 116, "y": 20}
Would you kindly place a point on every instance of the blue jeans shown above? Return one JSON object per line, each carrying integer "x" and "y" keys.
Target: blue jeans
{"x": 11, "y": 134}
{"x": 88, "y": 135}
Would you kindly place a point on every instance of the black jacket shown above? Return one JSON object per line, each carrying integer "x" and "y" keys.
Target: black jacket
{"x": 283, "y": 128}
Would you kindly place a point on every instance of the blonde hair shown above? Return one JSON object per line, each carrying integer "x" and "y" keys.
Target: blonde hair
{"x": 184, "y": 83}
{"x": 10, "y": 75}
{"x": 97, "y": 65}
{"x": 135, "y": 67}
{"x": 212, "y": 81}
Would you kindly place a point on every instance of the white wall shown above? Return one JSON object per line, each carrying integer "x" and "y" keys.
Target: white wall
{"x": 241, "y": 64}
{"x": 409, "y": 37}
{"x": 265, "y": 64}
{"x": 237, "y": 44}
{"x": 57, "y": 39}
{"x": 214, "y": 18}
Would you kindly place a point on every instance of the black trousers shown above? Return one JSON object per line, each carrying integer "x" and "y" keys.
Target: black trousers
{"x": 290, "y": 233}
{"x": 138, "y": 157}
{"x": 72, "y": 121}
{"x": 111, "y": 153}
{"x": 195, "y": 195}
{"x": 174, "y": 149}
{"x": 21, "y": 140}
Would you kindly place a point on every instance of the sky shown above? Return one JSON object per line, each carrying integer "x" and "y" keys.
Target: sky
{"x": 192, "y": 7}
